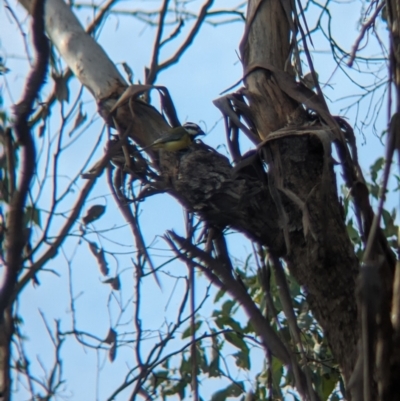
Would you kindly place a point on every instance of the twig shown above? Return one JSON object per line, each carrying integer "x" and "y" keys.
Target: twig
{"x": 175, "y": 58}
{"x": 364, "y": 29}
{"x": 152, "y": 73}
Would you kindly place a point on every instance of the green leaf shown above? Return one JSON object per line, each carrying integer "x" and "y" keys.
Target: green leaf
{"x": 233, "y": 390}
{"x": 160, "y": 376}
{"x": 219, "y": 295}
{"x": 328, "y": 384}
{"x": 32, "y": 215}
{"x": 188, "y": 332}
{"x": 213, "y": 369}
{"x": 236, "y": 340}
{"x": 227, "y": 307}
{"x": 374, "y": 190}
{"x": 390, "y": 227}
{"x": 376, "y": 167}
{"x": 186, "y": 368}
{"x": 226, "y": 321}
{"x": 242, "y": 360}
{"x": 178, "y": 388}
{"x": 277, "y": 370}
{"x": 352, "y": 232}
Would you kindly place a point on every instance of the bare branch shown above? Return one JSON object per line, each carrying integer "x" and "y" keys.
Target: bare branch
{"x": 23, "y": 110}
{"x": 195, "y": 30}
{"x": 151, "y": 75}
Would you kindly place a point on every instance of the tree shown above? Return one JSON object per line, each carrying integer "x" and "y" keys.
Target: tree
{"x": 282, "y": 195}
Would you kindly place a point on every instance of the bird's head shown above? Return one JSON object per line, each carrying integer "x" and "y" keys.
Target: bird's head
{"x": 193, "y": 129}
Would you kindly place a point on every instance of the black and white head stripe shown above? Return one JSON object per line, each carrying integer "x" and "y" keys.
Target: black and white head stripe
{"x": 193, "y": 129}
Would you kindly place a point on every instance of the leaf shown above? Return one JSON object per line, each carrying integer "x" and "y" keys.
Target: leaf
{"x": 277, "y": 370}
{"x": 178, "y": 388}
{"x": 111, "y": 336}
{"x": 128, "y": 71}
{"x": 187, "y": 333}
{"x": 219, "y": 295}
{"x": 115, "y": 283}
{"x": 32, "y": 215}
{"x": 233, "y": 324}
{"x": 233, "y": 390}
{"x": 112, "y": 353}
{"x": 328, "y": 384}
{"x": 159, "y": 377}
{"x": 112, "y": 339}
{"x": 79, "y": 120}
{"x": 201, "y": 358}
{"x": 236, "y": 340}
{"x": 390, "y": 227}
{"x": 99, "y": 255}
{"x": 94, "y": 213}
{"x": 242, "y": 360}
{"x": 227, "y": 307}
{"x": 213, "y": 369}
{"x": 352, "y": 232}
{"x": 376, "y": 167}
{"x": 61, "y": 87}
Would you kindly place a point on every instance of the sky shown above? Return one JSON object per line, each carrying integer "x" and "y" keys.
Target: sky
{"x": 207, "y": 68}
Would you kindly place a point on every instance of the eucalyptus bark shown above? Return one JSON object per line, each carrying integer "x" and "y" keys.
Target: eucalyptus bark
{"x": 322, "y": 261}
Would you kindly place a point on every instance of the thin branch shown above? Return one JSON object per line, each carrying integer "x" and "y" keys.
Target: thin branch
{"x": 75, "y": 211}
{"x": 23, "y": 110}
{"x": 195, "y": 30}
{"x": 152, "y": 73}
{"x": 364, "y": 29}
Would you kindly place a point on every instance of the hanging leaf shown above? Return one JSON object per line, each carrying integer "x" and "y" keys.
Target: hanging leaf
{"x": 277, "y": 371}
{"x": 242, "y": 360}
{"x": 128, "y": 71}
{"x": 94, "y": 213}
{"x": 188, "y": 332}
{"x": 328, "y": 384}
{"x": 236, "y": 340}
{"x": 61, "y": 87}
{"x": 213, "y": 368}
{"x": 111, "y": 337}
{"x": 233, "y": 390}
{"x": 115, "y": 283}
{"x": 112, "y": 353}
{"x": 32, "y": 215}
{"x": 99, "y": 255}
{"x": 79, "y": 120}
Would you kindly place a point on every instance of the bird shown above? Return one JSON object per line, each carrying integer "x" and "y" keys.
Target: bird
{"x": 178, "y": 138}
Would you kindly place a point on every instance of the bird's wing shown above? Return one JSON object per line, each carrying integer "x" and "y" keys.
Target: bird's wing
{"x": 168, "y": 138}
